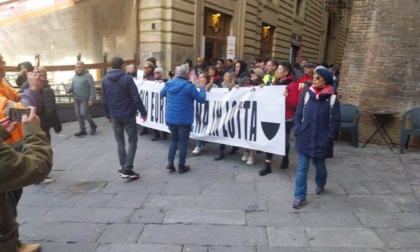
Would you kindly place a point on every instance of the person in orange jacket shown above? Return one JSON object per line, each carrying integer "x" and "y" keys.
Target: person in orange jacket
{"x": 10, "y": 98}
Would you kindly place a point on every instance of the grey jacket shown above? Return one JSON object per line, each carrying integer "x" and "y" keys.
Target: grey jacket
{"x": 83, "y": 86}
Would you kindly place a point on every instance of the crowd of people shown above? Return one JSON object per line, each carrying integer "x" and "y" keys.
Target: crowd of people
{"x": 312, "y": 110}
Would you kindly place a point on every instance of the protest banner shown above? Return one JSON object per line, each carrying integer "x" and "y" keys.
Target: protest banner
{"x": 252, "y": 118}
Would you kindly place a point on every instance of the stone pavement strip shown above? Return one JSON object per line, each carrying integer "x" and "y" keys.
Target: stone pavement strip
{"x": 371, "y": 202}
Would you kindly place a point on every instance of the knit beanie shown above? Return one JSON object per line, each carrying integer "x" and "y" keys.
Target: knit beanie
{"x": 160, "y": 70}
{"x": 326, "y": 75}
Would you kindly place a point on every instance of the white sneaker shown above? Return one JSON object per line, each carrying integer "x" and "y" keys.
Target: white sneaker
{"x": 196, "y": 151}
{"x": 251, "y": 160}
{"x": 245, "y": 156}
{"x": 48, "y": 180}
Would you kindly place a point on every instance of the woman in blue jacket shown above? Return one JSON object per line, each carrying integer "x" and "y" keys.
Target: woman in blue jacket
{"x": 180, "y": 95}
{"x": 317, "y": 119}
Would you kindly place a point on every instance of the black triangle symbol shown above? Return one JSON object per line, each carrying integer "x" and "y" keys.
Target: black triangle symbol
{"x": 270, "y": 129}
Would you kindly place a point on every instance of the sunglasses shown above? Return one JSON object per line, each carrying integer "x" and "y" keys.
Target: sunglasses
{"x": 157, "y": 72}
{"x": 316, "y": 78}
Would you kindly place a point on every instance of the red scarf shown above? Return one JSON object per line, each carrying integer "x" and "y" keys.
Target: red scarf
{"x": 328, "y": 89}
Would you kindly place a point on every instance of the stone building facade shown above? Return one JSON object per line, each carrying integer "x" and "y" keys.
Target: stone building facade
{"x": 172, "y": 31}
{"x": 381, "y": 62}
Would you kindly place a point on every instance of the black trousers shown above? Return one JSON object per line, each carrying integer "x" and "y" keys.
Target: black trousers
{"x": 15, "y": 195}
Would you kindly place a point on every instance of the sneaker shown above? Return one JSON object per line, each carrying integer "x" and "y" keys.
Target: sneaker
{"x": 251, "y": 160}
{"x": 171, "y": 167}
{"x": 298, "y": 203}
{"x": 130, "y": 174}
{"x": 183, "y": 168}
{"x": 81, "y": 133}
{"x": 93, "y": 129}
{"x": 245, "y": 156}
{"x": 197, "y": 151}
{"x": 33, "y": 247}
{"x": 48, "y": 180}
{"x": 319, "y": 190}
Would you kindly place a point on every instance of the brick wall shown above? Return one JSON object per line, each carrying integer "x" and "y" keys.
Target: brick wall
{"x": 381, "y": 61}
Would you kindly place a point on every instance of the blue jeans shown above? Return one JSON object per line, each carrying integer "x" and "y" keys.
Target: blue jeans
{"x": 180, "y": 134}
{"x": 129, "y": 124}
{"x": 81, "y": 110}
{"x": 200, "y": 143}
{"x": 302, "y": 175}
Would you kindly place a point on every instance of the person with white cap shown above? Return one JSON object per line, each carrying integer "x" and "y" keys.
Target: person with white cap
{"x": 159, "y": 77}
{"x": 257, "y": 76}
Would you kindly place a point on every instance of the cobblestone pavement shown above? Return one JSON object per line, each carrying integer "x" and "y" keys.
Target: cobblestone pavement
{"x": 371, "y": 202}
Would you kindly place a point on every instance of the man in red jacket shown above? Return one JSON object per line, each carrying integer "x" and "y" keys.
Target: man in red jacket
{"x": 306, "y": 81}
{"x": 284, "y": 77}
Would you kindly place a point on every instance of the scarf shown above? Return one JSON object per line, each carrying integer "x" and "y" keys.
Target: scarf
{"x": 326, "y": 90}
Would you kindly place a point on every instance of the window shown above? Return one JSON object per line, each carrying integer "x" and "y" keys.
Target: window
{"x": 267, "y": 32}
{"x": 299, "y": 7}
{"x": 216, "y": 31}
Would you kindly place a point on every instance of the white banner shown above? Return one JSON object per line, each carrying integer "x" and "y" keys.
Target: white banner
{"x": 240, "y": 117}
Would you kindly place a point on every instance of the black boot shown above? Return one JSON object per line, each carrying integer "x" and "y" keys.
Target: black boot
{"x": 284, "y": 163}
{"x": 157, "y": 136}
{"x": 233, "y": 150}
{"x": 266, "y": 170}
{"x": 220, "y": 156}
{"x": 183, "y": 168}
{"x": 81, "y": 133}
{"x": 93, "y": 129}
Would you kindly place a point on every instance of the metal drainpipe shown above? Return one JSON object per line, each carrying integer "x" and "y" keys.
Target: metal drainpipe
{"x": 322, "y": 55}
{"x": 137, "y": 59}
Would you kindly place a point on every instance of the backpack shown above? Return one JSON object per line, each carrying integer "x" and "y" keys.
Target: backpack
{"x": 332, "y": 101}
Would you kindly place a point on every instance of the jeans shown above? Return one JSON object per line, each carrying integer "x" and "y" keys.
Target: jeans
{"x": 180, "y": 134}
{"x": 302, "y": 175}
{"x": 81, "y": 109}
{"x": 289, "y": 126}
{"x": 200, "y": 143}
{"x": 129, "y": 124}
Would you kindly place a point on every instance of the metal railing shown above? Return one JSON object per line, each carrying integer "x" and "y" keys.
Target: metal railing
{"x": 61, "y": 96}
